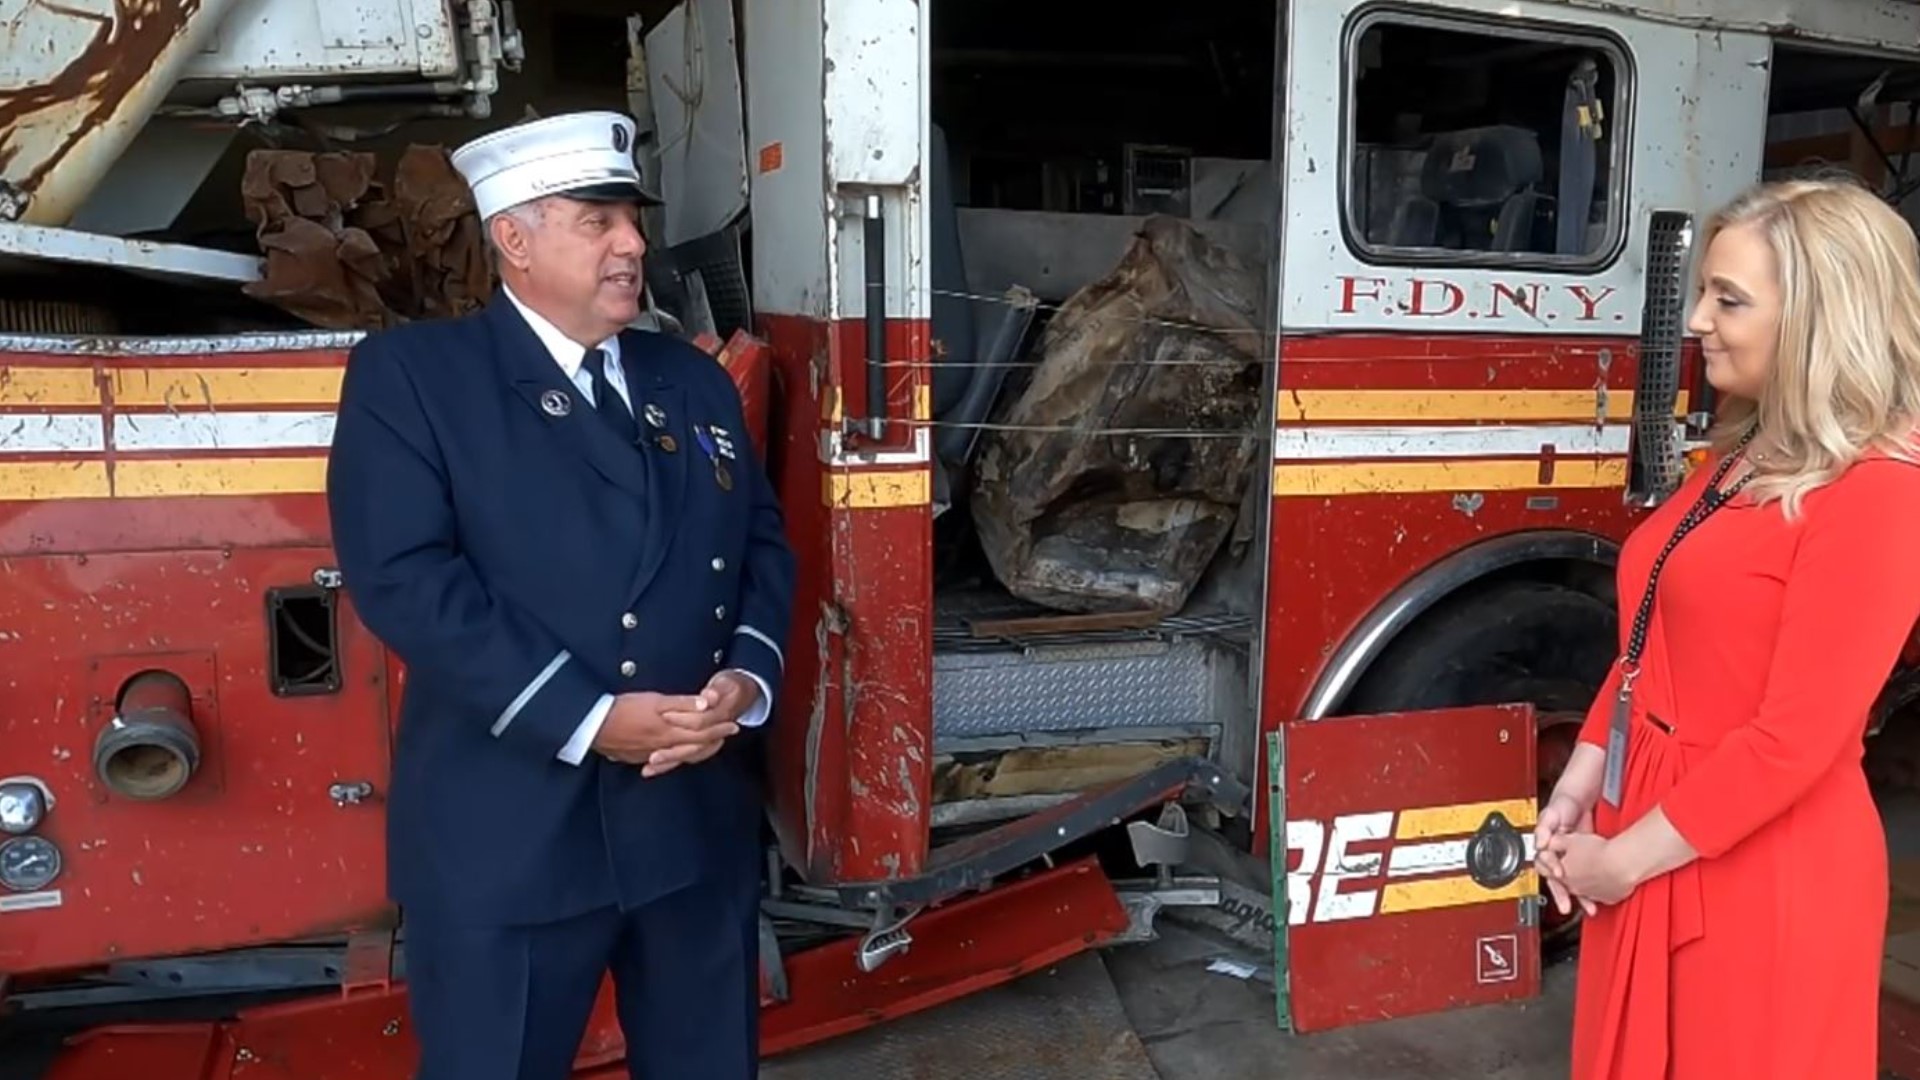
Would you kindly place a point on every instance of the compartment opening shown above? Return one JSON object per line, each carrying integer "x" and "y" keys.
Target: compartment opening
{"x": 1103, "y": 202}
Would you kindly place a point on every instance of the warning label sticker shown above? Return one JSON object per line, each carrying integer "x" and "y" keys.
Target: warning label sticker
{"x": 1497, "y": 959}
{"x": 33, "y": 901}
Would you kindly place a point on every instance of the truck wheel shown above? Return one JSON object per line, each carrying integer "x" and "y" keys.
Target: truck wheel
{"x": 1523, "y": 641}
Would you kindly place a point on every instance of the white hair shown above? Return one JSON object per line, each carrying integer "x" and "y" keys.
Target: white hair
{"x": 530, "y": 214}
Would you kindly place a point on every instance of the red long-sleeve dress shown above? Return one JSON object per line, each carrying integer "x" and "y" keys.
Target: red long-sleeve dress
{"x": 1769, "y": 641}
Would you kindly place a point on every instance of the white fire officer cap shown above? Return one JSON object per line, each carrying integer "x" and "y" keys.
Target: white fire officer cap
{"x": 583, "y": 155}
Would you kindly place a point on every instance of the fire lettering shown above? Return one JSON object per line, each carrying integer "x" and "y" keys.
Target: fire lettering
{"x": 1456, "y": 298}
{"x": 1315, "y": 890}
{"x": 1524, "y": 297}
{"x": 1363, "y": 865}
{"x": 1350, "y": 291}
{"x": 1536, "y": 303}
{"x": 1590, "y": 303}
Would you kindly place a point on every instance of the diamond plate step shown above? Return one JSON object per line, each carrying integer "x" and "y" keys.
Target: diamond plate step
{"x": 1082, "y": 687}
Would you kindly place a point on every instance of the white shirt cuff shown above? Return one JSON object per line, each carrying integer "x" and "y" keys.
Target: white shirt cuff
{"x": 576, "y": 749}
{"x": 756, "y": 715}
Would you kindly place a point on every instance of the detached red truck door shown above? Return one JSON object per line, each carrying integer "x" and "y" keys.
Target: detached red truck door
{"x": 1408, "y": 880}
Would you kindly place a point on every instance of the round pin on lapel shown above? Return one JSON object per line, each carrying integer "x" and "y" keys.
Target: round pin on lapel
{"x": 666, "y": 442}
{"x": 555, "y": 403}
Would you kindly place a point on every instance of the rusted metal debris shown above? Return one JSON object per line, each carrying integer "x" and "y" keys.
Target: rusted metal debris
{"x": 1110, "y": 482}
{"x": 346, "y": 251}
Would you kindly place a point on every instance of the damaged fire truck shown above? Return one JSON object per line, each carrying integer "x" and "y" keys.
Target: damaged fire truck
{"x": 1205, "y": 435}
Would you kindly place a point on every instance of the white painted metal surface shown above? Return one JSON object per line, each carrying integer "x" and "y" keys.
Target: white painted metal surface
{"x": 183, "y": 430}
{"x": 190, "y": 430}
{"x": 1693, "y": 123}
{"x": 888, "y": 159}
{"x": 1889, "y": 24}
{"x": 786, "y": 146}
{"x": 280, "y": 40}
{"x": 803, "y": 204}
{"x": 908, "y": 275}
{"x": 52, "y": 433}
{"x": 889, "y": 154}
{"x": 876, "y": 107}
{"x": 117, "y": 59}
{"x": 41, "y": 243}
{"x": 1341, "y": 443}
{"x": 693, "y": 82}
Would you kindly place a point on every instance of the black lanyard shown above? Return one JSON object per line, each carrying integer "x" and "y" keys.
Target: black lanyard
{"x": 1711, "y": 499}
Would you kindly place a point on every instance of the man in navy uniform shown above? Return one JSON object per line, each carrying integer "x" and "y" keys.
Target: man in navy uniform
{"x": 558, "y": 524}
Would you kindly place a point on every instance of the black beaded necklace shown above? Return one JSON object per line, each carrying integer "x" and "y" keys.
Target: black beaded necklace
{"x": 1712, "y": 498}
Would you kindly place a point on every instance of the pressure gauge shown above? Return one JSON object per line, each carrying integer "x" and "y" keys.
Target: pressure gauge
{"x": 28, "y": 863}
{"x": 23, "y": 803}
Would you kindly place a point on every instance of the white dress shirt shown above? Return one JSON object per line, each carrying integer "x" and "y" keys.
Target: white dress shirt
{"x": 571, "y": 356}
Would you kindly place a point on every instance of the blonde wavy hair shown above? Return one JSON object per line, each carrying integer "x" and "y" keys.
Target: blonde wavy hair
{"x": 1846, "y": 372}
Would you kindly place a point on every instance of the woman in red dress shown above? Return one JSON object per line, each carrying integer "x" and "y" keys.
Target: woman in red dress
{"x": 1715, "y": 820}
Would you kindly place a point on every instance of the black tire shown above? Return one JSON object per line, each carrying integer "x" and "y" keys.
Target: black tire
{"x": 1520, "y": 641}
{"x": 1516, "y": 641}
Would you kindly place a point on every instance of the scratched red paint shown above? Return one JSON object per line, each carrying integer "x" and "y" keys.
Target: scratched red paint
{"x": 1042, "y": 919}
{"x": 1332, "y": 561}
{"x": 854, "y": 806}
{"x": 1387, "y": 966}
{"x": 852, "y": 757}
{"x": 1458, "y": 362}
{"x": 253, "y": 849}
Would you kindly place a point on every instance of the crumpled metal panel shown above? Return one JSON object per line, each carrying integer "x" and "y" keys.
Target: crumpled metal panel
{"x": 346, "y": 251}
{"x": 1110, "y": 482}
{"x": 1129, "y": 685}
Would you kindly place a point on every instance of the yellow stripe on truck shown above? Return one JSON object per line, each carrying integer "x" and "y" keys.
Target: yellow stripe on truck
{"x": 200, "y": 388}
{"x": 48, "y": 388}
{"x": 1407, "y": 477}
{"x": 169, "y": 387}
{"x": 26, "y": 481}
{"x": 172, "y": 477}
{"x": 1431, "y": 821}
{"x": 1459, "y": 891}
{"x": 1332, "y": 406}
{"x": 29, "y": 481}
{"x": 877, "y": 489}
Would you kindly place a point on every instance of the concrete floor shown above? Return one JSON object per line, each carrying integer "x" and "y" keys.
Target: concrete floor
{"x": 1202, "y": 1025}
{"x": 1198, "y": 1024}
{"x": 1155, "y": 1010}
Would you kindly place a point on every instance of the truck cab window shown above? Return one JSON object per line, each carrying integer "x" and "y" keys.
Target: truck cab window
{"x": 1472, "y": 143}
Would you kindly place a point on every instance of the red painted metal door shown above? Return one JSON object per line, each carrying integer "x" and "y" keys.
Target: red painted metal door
{"x": 1408, "y": 881}
{"x": 277, "y": 835}
{"x": 834, "y": 127}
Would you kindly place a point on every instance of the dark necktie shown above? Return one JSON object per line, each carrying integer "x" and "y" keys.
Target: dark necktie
{"x": 606, "y": 400}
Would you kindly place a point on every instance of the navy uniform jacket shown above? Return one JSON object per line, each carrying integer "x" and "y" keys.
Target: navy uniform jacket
{"x": 522, "y": 561}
